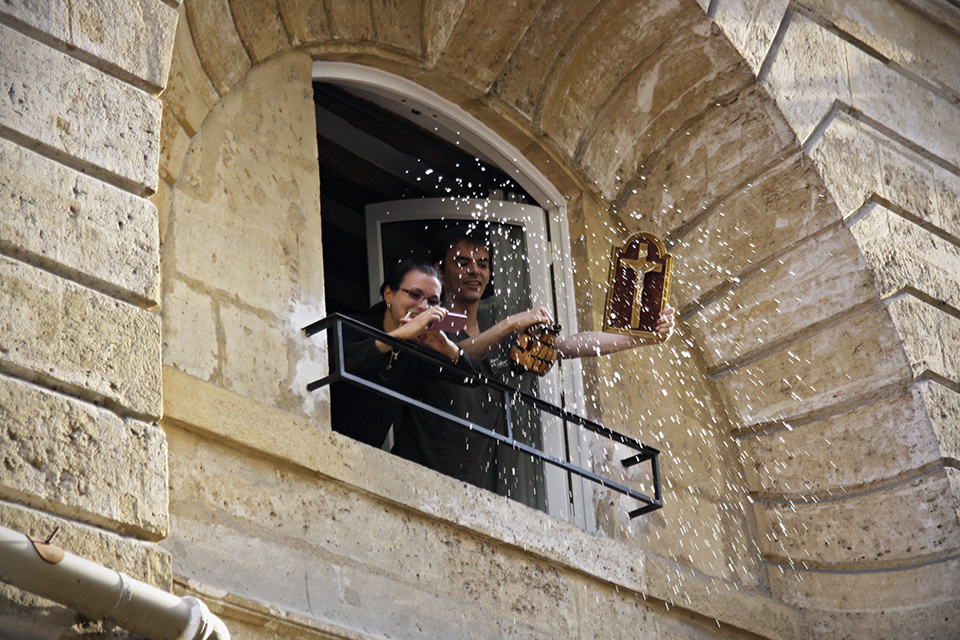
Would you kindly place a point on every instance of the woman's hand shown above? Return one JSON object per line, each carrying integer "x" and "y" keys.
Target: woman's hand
{"x": 418, "y": 329}
{"x": 412, "y": 326}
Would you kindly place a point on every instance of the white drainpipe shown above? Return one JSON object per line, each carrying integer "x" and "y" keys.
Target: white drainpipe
{"x": 103, "y": 594}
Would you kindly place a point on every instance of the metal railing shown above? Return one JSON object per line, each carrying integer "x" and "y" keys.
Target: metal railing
{"x": 335, "y": 323}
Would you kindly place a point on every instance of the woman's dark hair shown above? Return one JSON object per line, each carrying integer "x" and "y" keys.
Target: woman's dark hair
{"x": 399, "y": 271}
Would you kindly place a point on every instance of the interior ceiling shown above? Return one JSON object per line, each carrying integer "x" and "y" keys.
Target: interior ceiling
{"x": 374, "y": 150}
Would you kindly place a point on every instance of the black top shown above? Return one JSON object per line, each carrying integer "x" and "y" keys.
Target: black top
{"x": 450, "y": 448}
{"x": 366, "y": 415}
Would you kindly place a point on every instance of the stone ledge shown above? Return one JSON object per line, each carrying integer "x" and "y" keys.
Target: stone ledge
{"x": 58, "y": 104}
{"x": 77, "y": 339}
{"x": 82, "y": 462}
{"x": 56, "y": 211}
{"x": 131, "y": 39}
{"x": 223, "y": 416}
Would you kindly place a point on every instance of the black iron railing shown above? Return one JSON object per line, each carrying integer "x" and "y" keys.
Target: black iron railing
{"x": 334, "y": 323}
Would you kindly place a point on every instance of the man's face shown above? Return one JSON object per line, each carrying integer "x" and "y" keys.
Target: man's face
{"x": 466, "y": 271}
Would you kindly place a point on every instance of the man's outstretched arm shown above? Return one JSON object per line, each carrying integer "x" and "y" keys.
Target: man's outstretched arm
{"x": 599, "y": 343}
{"x": 482, "y": 344}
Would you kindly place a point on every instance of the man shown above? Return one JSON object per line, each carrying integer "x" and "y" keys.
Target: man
{"x": 464, "y": 262}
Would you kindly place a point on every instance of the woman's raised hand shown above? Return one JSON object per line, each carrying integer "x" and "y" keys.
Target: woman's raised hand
{"x": 417, "y": 328}
{"x": 412, "y": 326}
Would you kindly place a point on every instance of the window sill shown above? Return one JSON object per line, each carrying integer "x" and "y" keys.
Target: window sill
{"x": 223, "y": 416}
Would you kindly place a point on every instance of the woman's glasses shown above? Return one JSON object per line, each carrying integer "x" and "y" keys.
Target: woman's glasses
{"x": 417, "y": 297}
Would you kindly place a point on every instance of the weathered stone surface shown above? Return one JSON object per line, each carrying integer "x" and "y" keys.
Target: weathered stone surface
{"x": 190, "y": 323}
{"x": 82, "y": 462}
{"x": 857, "y": 448}
{"x": 52, "y": 19}
{"x": 260, "y": 27}
{"x": 852, "y": 359}
{"x": 174, "y": 144}
{"x": 399, "y": 24}
{"x": 903, "y": 255}
{"x": 893, "y": 99}
{"x": 217, "y": 43}
{"x": 902, "y": 590}
{"x": 70, "y": 336}
{"x": 350, "y": 20}
{"x": 306, "y": 20}
{"x": 134, "y": 37}
{"x": 477, "y": 50}
{"x": 248, "y": 184}
{"x": 520, "y": 83}
{"x": 751, "y": 26}
{"x": 933, "y": 619}
{"x": 66, "y": 221}
{"x": 943, "y": 409}
{"x": 807, "y": 75}
{"x": 162, "y": 200}
{"x": 717, "y": 601}
{"x": 144, "y": 561}
{"x": 190, "y": 94}
{"x": 727, "y": 145}
{"x": 817, "y": 280}
{"x": 859, "y": 163}
{"x": 607, "y": 47}
{"x": 59, "y": 103}
{"x": 905, "y": 523}
{"x": 753, "y": 224}
{"x": 255, "y": 354}
{"x": 911, "y": 40}
{"x": 931, "y": 337}
{"x": 642, "y": 113}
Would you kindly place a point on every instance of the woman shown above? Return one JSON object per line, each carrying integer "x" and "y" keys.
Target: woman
{"x": 411, "y": 303}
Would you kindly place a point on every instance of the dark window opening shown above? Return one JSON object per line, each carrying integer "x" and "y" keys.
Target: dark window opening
{"x": 369, "y": 154}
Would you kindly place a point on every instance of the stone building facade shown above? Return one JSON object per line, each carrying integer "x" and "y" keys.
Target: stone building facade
{"x": 161, "y": 247}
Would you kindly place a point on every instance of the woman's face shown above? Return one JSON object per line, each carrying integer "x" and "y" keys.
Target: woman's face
{"x": 417, "y": 293}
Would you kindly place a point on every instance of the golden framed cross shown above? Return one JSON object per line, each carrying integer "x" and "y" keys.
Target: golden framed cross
{"x": 640, "y": 266}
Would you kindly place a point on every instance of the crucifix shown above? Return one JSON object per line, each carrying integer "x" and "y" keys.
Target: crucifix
{"x": 639, "y": 286}
{"x": 640, "y": 266}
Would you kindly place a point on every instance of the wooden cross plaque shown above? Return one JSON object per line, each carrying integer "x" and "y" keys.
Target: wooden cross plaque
{"x": 639, "y": 286}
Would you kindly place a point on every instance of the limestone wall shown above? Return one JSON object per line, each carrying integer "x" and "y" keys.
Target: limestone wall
{"x": 80, "y": 390}
{"x": 771, "y": 166}
{"x": 799, "y": 157}
{"x": 241, "y": 245}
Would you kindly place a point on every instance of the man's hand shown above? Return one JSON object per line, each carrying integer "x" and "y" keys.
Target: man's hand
{"x": 526, "y": 319}
{"x": 665, "y": 322}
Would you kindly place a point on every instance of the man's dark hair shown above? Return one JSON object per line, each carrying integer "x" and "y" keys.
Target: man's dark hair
{"x": 453, "y": 235}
